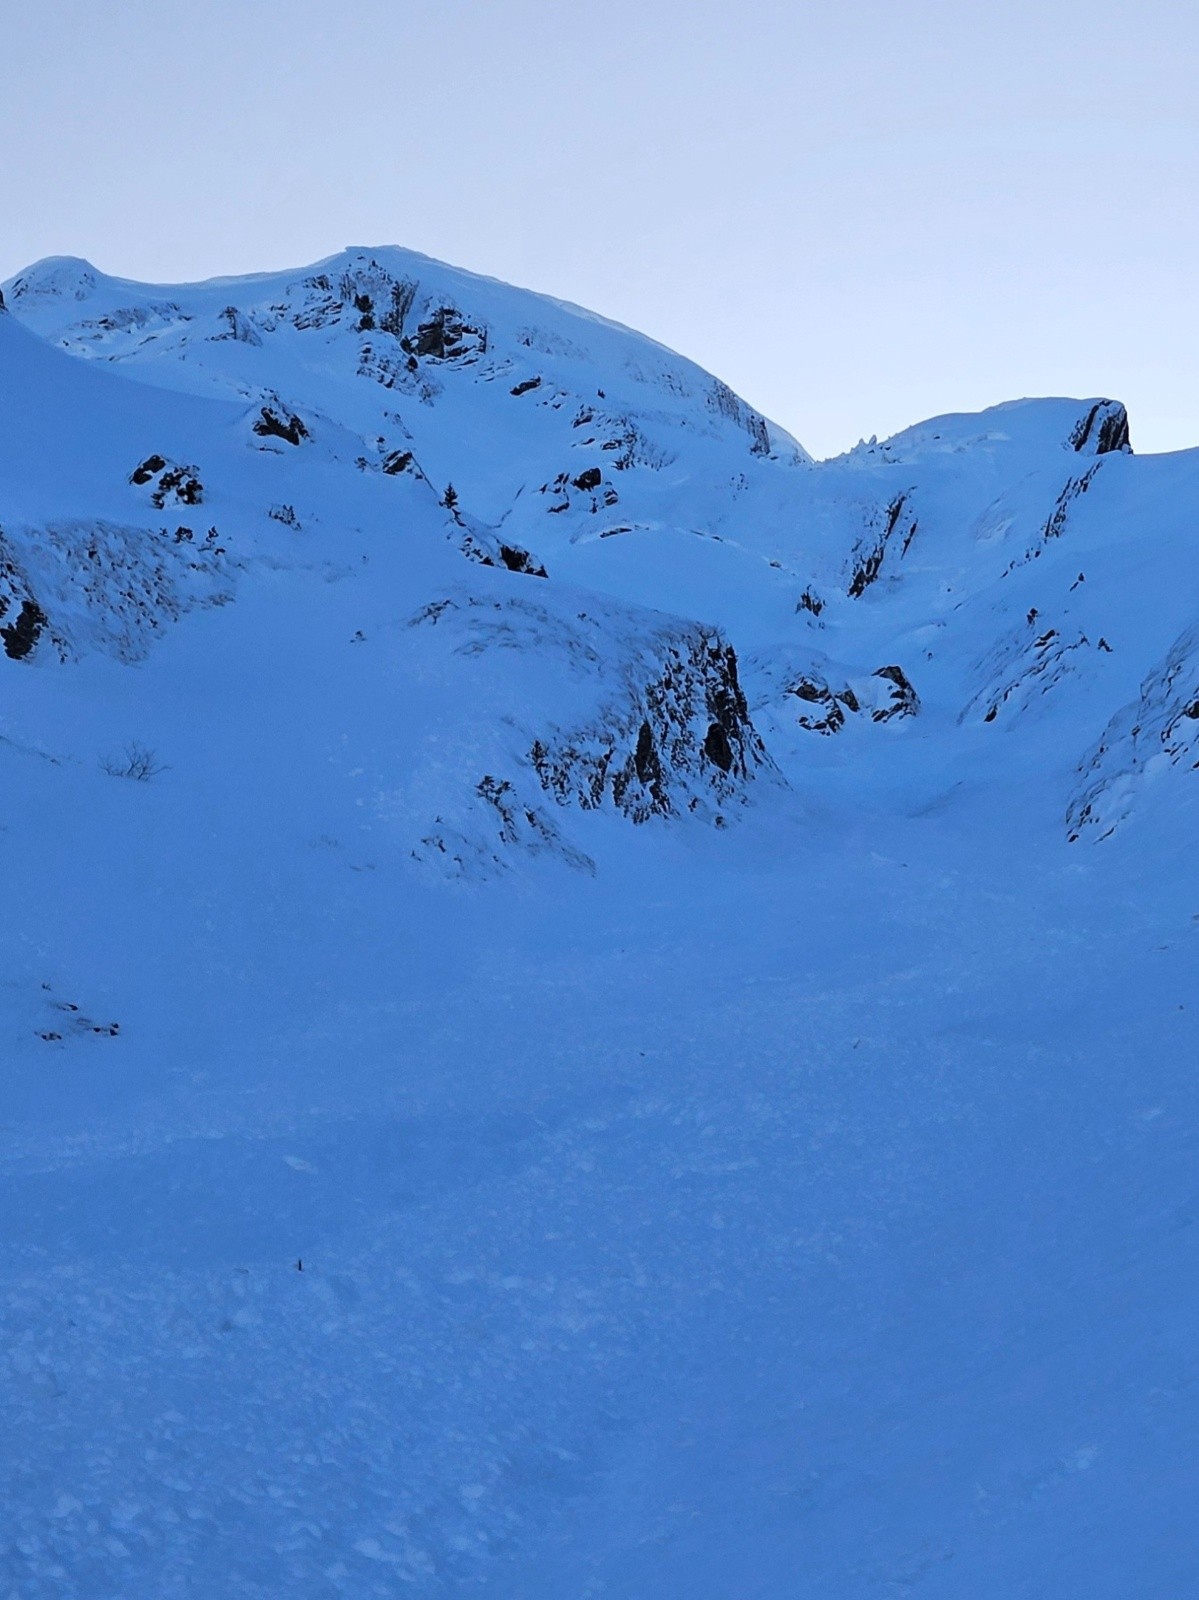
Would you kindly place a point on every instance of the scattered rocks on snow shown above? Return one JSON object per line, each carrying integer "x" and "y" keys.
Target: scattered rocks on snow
{"x": 1159, "y": 728}
{"x": 86, "y": 585}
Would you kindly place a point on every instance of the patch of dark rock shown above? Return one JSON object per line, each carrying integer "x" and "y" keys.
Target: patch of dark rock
{"x": 446, "y": 336}
{"x": 645, "y": 768}
{"x": 181, "y": 482}
{"x": 808, "y": 601}
{"x": 525, "y": 387}
{"x": 830, "y": 717}
{"x": 590, "y": 479}
{"x": 870, "y": 564}
{"x": 147, "y": 469}
{"x": 397, "y": 461}
{"x": 717, "y": 747}
{"x": 904, "y": 700}
{"x": 645, "y": 757}
{"x": 690, "y": 742}
{"x": 1059, "y": 516}
{"x": 21, "y": 636}
{"x": 403, "y": 293}
{"x": 1105, "y": 427}
{"x": 238, "y": 327}
{"x": 270, "y": 425}
{"x": 518, "y": 560}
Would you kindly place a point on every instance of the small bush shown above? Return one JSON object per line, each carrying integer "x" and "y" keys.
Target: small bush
{"x": 134, "y": 761}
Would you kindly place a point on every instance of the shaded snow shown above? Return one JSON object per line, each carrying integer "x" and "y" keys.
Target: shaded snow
{"x": 672, "y": 1077}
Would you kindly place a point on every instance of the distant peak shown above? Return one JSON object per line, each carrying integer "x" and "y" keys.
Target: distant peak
{"x": 55, "y": 277}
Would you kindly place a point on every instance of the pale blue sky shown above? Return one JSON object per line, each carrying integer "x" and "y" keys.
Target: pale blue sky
{"x": 857, "y": 213}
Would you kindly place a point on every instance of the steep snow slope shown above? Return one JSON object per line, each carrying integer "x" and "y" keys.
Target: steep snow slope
{"x": 666, "y": 1077}
{"x": 948, "y": 558}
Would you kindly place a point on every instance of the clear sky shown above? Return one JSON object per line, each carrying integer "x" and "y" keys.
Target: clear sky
{"x": 857, "y": 212}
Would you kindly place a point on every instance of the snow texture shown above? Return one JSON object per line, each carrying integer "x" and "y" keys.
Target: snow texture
{"x": 590, "y": 1005}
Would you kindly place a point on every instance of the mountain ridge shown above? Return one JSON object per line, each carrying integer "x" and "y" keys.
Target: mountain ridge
{"x": 589, "y": 1005}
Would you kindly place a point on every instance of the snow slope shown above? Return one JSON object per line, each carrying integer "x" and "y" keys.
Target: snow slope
{"x": 591, "y": 1006}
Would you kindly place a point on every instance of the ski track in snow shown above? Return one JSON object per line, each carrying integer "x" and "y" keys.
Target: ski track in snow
{"x": 501, "y": 1094}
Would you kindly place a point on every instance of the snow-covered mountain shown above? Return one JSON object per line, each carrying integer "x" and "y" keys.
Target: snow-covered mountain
{"x": 686, "y": 944}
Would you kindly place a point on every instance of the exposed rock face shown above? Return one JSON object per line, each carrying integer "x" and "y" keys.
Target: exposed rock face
{"x": 682, "y": 739}
{"x": 723, "y": 399}
{"x": 21, "y": 635}
{"x": 903, "y": 700}
{"x": 894, "y": 523}
{"x": 887, "y": 694}
{"x": 365, "y": 295}
{"x": 179, "y": 485}
{"x": 275, "y": 423}
{"x": 1060, "y": 515}
{"x": 825, "y": 708}
{"x": 445, "y": 335}
{"x": 669, "y": 733}
{"x": 1104, "y": 429}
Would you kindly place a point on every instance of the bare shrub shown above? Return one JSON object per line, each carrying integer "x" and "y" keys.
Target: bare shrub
{"x": 134, "y": 761}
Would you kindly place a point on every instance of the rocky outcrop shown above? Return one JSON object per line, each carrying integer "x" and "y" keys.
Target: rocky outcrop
{"x": 172, "y": 483}
{"x": 901, "y": 701}
{"x": 1103, "y": 430}
{"x": 680, "y": 741}
{"x": 894, "y": 523}
{"x": 654, "y": 722}
{"x": 728, "y": 404}
{"x": 826, "y": 709}
{"x": 276, "y": 422}
{"x": 445, "y": 335}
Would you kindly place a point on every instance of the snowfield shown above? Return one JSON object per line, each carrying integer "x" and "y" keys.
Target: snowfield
{"x": 590, "y": 1006}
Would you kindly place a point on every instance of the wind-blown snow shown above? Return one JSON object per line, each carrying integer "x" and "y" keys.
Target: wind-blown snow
{"x": 590, "y": 1005}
